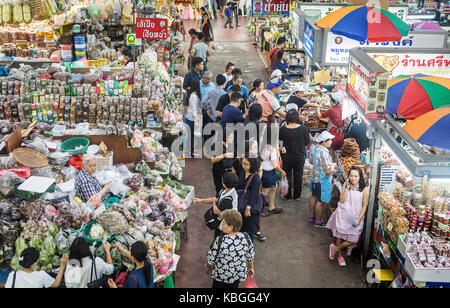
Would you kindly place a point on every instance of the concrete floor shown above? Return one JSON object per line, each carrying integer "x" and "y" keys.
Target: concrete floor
{"x": 295, "y": 254}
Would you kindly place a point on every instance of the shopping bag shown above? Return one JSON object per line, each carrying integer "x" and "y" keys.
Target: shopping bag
{"x": 284, "y": 187}
{"x": 250, "y": 282}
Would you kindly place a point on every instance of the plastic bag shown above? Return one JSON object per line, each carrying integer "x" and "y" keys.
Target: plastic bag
{"x": 39, "y": 145}
{"x": 69, "y": 172}
{"x": 58, "y": 158}
{"x": 7, "y": 182}
{"x": 284, "y": 187}
{"x": 44, "y": 172}
{"x": 8, "y": 162}
{"x": 113, "y": 222}
{"x": 250, "y": 282}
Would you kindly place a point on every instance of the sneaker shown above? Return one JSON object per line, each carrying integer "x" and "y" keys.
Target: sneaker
{"x": 286, "y": 198}
{"x": 260, "y": 237}
{"x": 341, "y": 262}
{"x": 298, "y": 199}
{"x": 312, "y": 218}
{"x": 321, "y": 224}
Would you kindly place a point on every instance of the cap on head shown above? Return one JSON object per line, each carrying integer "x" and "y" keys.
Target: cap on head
{"x": 324, "y": 136}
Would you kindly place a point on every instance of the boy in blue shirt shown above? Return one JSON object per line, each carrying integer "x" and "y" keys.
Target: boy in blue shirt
{"x": 228, "y": 14}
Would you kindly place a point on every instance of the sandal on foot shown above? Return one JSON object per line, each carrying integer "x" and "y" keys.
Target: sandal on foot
{"x": 332, "y": 251}
{"x": 266, "y": 213}
{"x": 341, "y": 262}
{"x": 320, "y": 224}
{"x": 276, "y": 210}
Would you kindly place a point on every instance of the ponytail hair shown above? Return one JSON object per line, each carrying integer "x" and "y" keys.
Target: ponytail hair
{"x": 139, "y": 251}
{"x": 256, "y": 84}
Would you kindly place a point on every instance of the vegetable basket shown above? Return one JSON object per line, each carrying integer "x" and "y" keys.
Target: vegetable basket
{"x": 86, "y": 229}
{"x": 72, "y": 143}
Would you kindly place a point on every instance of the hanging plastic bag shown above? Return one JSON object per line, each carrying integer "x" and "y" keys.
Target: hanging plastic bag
{"x": 93, "y": 9}
{"x": 250, "y": 282}
{"x": 284, "y": 187}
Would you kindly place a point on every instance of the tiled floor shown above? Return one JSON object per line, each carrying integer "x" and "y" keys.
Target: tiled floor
{"x": 295, "y": 253}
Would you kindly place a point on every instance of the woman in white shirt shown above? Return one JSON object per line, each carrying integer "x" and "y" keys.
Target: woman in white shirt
{"x": 78, "y": 273}
{"x": 270, "y": 166}
{"x": 228, "y": 69}
{"x": 193, "y": 114}
{"x": 27, "y": 277}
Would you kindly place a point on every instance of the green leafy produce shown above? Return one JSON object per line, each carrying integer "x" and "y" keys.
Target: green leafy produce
{"x": 120, "y": 239}
{"x": 53, "y": 229}
{"x": 100, "y": 252}
{"x": 20, "y": 245}
{"x": 36, "y": 242}
{"x": 49, "y": 245}
{"x": 96, "y": 232}
{"x": 45, "y": 258}
{"x": 116, "y": 257}
{"x": 55, "y": 261}
{"x": 15, "y": 263}
{"x": 106, "y": 236}
{"x": 61, "y": 242}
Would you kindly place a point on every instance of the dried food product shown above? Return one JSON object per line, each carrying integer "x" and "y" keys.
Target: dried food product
{"x": 113, "y": 222}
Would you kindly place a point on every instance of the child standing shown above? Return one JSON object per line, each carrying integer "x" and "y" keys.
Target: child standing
{"x": 228, "y": 13}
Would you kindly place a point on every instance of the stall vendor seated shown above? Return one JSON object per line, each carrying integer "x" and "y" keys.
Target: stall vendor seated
{"x": 86, "y": 185}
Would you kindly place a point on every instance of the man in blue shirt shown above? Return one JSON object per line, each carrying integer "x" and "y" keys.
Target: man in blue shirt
{"x": 206, "y": 85}
{"x": 211, "y": 99}
{"x": 195, "y": 74}
{"x": 237, "y": 80}
{"x": 231, "y": 113}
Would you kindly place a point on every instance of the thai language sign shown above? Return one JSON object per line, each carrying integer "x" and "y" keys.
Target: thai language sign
{"x": 270, "y": 8}
{"x": 368, "y": 89}
{"x": 151, "y": 28}
{"x": 308, "y": 40}
{"x": 410, "y": 64}
{"x": 337, "y": 47}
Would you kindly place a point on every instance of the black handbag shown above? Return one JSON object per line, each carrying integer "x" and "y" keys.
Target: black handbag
{"x": 101, "y": 283}
{"x": 211, "y": 220}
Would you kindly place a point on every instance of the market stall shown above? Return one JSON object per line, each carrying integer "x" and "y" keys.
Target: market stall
{"x": 108, "y": 90}
{"x": 408, "y": 181}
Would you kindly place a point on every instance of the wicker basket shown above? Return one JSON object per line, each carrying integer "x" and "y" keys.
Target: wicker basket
{"x": 30, "y": 158}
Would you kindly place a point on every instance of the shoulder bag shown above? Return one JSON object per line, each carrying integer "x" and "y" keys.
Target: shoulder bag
{"x": 243, "y": 200}
{"x": 101, "y": 283}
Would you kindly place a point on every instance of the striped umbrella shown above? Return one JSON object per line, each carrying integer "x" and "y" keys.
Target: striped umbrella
{"x": 432, "y": 129}
{"x": 426, "y": 26}
{"x": 412, "y": 96}
{"x": 361, "y": 22}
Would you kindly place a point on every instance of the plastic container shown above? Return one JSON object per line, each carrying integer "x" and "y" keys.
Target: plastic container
{"x": 70, "y": 144}
{"x": 58, "y": 130}
{"x": 24, "y": 190}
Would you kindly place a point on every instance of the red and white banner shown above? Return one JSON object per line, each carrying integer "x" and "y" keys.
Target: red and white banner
{"x": 271, "y": 8}
{"x": 151, "y": 28}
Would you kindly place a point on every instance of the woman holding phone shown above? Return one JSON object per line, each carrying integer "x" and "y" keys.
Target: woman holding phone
{"x": 346, "y": 223}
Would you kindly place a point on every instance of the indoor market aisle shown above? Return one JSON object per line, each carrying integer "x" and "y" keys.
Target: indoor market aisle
{"x": 295, "y": 253}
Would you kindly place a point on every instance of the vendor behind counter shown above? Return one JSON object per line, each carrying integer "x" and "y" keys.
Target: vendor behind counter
{"x": 86, "y": 185}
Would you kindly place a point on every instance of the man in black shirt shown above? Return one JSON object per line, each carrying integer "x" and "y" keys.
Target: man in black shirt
{"x": 359, "y": 132}
{"x": 226, "y": 99}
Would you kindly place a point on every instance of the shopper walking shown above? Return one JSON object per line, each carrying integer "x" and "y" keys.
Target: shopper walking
{"x": 335, "y": 122}
{"x": 230, "y": 260}
{"x": 231, "y": 113}
{"x": 234, "y": 72}
{"x": 346, "y": 223}
{"x": 226, "y": 199}
{"x": 321, "y": 187}
{"x": 226, "y": 99}
{"x": 235, "y": 10}
{"x": 294, "y": 138}
{"x": 206, "y": 85}
{"x": 206, "y": 26}
{"x": 254, "y": 118}
{"x": 211, "y": 99}
{"x": 249, "y": 181}
{"x": 258, "y": 87}
{"x": 194, "y": 40}
{"x": 28, "y": 278}
{"x": 228, "y": 16}
{"x": 194, "y": 75}
{"x": 193, "y": 116}
{"x": 201, "y": 49}
{"x": 82, "y": 270}
{"x": 270, "y": 166}
{"x": 237, "y": 80}
{"x": 141, "y": 277}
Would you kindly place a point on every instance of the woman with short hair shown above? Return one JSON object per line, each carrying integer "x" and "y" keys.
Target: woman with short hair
{"x": 230, "y": 260}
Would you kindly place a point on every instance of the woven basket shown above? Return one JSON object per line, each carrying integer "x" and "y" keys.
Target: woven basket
{"x": 30, "y": 158}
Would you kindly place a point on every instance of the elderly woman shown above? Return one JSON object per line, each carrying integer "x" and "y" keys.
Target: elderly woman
{"x": 86, "y": 185}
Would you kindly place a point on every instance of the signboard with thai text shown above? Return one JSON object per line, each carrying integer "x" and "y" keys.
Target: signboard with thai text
{"x": 270, "y": 8}
{"x": 151, "y": 28}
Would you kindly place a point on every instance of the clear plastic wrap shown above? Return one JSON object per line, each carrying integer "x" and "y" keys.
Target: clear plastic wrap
{"x": 113, "y": 222}
{"x": 7, "y": 182}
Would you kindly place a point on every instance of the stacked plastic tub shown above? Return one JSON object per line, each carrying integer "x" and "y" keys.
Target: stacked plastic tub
{"x": 66, "y": 53}
{"x": 80, "y": 46}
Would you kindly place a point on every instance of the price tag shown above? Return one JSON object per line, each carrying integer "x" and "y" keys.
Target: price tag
{"x": 389, "y": 227}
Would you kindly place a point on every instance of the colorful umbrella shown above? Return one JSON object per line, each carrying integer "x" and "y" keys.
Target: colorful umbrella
{"x": 431, "y": 129}
{"x": 426, "y": 26}
{"x": 361, "y": 22}
{"x": 412, "y": 96}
